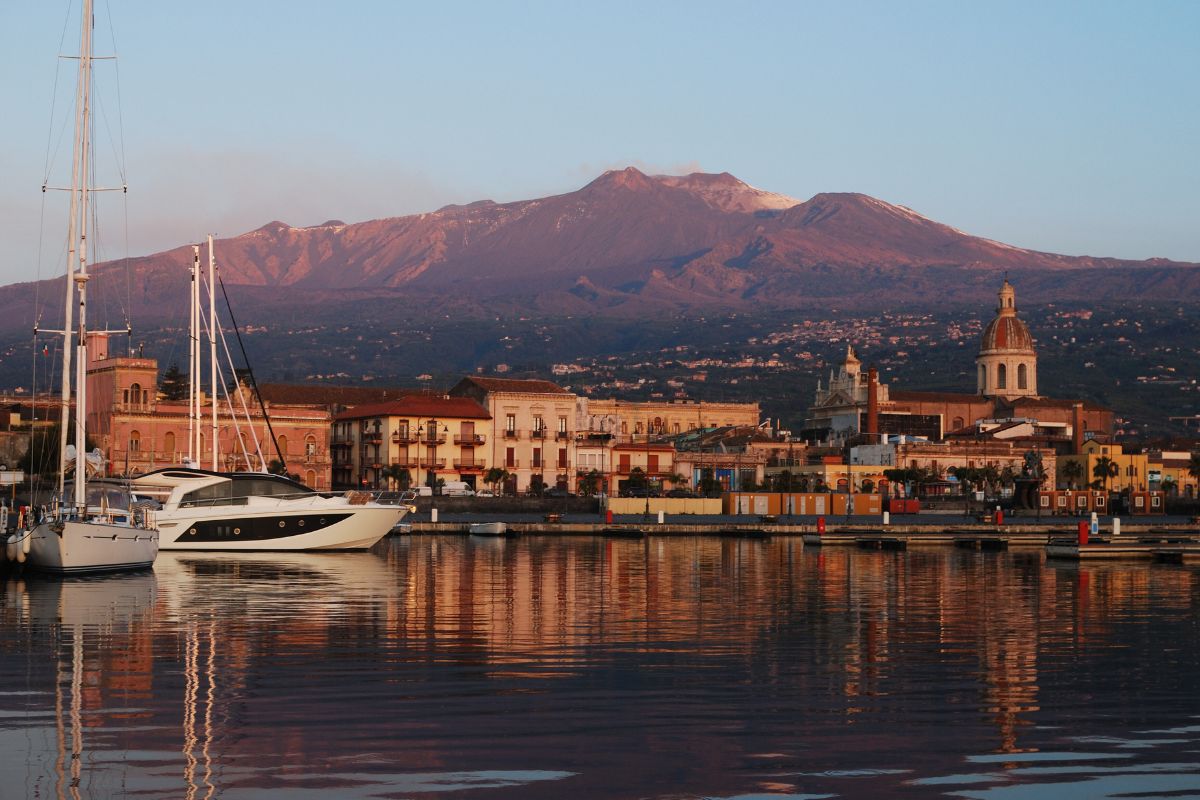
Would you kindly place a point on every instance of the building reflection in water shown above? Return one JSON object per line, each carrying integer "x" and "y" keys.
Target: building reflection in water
{"x": 361, "y": 670}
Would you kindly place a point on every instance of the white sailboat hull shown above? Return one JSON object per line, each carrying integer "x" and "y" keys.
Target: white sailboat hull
{"x": 91, "y": 547}
{"x": 300, "y": 525}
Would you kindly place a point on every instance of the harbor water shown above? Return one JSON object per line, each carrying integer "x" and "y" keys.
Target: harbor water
{"x": 585, "y": 667}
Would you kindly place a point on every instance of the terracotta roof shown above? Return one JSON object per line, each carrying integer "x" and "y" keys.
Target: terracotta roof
{"x": 514, "y": 385}
{"x": 905, "y": 395}
{"x": 1047, "y": 402}
{"x": 331, "y": 396}
{"x": 1007, "y": 333}
{"x": 436, "y": 407}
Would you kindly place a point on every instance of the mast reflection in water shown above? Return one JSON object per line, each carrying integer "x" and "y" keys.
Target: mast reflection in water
{"x": 593, "y": 668}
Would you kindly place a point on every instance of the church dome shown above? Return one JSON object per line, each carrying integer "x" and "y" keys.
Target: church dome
{"x": 1007, "y": 333}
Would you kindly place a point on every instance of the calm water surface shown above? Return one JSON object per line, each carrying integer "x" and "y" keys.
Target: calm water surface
{"x": 588, "y": 668}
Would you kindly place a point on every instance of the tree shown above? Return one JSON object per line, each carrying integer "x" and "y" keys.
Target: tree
{"x": 1072, "y": 470}
{"x": 589, "y": 484}
{"x": 537, "y": 485}
{"x": 494, "y": 477}
{"x": 1104, "y": 469}
{"x": 173, "y": 385}
{"x": 1194, "y": 466}
{"x": 1168, "y": 485}
{"x": 397, "y": 475}
{"x": 708, "y": 485}
{"x": 277, "y": 467}
{"x": 42, "y": 456}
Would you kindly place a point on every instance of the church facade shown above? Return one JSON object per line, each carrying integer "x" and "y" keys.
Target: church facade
{"x": 856, "y": 403}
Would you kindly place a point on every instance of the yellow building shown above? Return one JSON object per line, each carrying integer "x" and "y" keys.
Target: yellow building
{"x": 531, "y": 429}
{"x": 433, "y": 437}
{"x": 630, "y": 418}
{"x": 1130, "y": 470}
{"x": 1167, "y": 467}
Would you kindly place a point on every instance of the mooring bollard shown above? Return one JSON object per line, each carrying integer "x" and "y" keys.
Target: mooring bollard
{"x": 662, "y": 517}
{"x": 433, "y": 515}
{"x": 608, "y": 516}
{"x": 1116, "y": 526}
{"x": 887, "y": 519}
{"x": 999, "y": 516}
{"x": 1083, "y": 531}
{"x": 820, "y": 526}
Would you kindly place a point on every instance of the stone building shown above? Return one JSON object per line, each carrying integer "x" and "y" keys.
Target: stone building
{"x": 857, "y": 403}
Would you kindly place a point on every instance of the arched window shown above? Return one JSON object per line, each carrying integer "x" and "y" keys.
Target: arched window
{"x": 135, "y": 394}
{"x": 1022, "y": 376}
{"x": 282, "y": 440}
{"x": 135, "y": 442}
{"x": 169, "y": 444}
{"x": 310, "y": 479}
{"x": 1002, "y": 376}
{"x": 310, "y": 445}
{"x": 982, "y": 379}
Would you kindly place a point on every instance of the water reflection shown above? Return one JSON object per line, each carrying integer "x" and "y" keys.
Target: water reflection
{"x": 664, "y": 667}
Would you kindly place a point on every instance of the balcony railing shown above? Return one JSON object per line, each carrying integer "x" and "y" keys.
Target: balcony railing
{"x": 468, "y": 438}
{"x": 341, "y": 441}
{"x": 512, "y": 434}
{"x": 133, "y": 408}
{"x": 372, "y": 438}
{"x": 537, "y": 433}
{"x": 404, "y": 437}
{"x": 513, "y": 464}
{"x": 434, "y": 463}
{"x": 469, "y": 463}
{"x": 562, "y": 436}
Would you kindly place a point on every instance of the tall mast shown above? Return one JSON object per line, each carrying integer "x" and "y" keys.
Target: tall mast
{"x": 78, "y": 198}
{"x": 212, "y": 345}
{"x": 78, "y": 276}
{"x": 193, "y": 363}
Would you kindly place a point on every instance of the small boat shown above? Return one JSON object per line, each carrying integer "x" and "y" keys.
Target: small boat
{"x": 488, "y": 528}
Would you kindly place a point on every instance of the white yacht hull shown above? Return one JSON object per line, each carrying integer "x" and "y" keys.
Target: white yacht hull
{"x": 91, "y": 547}
{"x": 290, "y": 526}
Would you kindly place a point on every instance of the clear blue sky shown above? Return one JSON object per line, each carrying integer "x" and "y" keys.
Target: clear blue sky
{"x": 1069, "y": 127}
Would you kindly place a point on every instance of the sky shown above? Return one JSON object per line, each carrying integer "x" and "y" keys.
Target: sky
{"x": 1069, "y": 127}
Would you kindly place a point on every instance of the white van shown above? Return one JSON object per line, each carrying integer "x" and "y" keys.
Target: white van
{"x": 457, "y": 489}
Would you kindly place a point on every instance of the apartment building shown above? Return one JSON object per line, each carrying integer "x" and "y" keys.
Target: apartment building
{"x": 627, "y": 418}
{"x": 532, "y": 429}
{"x": 426, "y": 437}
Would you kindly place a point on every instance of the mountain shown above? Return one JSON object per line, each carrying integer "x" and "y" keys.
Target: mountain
{"x": 627, "y": 243}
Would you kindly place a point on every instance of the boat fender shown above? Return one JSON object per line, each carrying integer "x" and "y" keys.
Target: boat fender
{"x": 26, "y": 542}
{"x": 10, "y": 548}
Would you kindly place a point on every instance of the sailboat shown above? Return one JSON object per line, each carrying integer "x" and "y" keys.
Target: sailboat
{"x": 218, "y": 510}
{"x": 90, "y": 527}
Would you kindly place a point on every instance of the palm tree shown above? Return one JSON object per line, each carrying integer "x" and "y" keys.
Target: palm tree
{"x": 494, "y": 477}
{"x": 1194, "y": 466}
{"x": 1104, "y": 469}
{"x": 1168, "y": 486}
{"x": 395, "y": 475}
{"x": 1072, "y": 471}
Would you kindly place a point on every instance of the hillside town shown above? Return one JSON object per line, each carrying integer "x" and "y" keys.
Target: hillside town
{"x": 517, "y": 436}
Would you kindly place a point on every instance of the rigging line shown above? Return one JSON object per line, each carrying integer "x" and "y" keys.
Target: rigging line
{"x": 250, "y": 371}
{"x": 54, "y": 95}
{"x": 117, "y": 70}
{"x": 262, "y": 464}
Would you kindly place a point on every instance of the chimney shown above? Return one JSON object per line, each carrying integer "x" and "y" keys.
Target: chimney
{"x": 872, "y": 401}
{"x": 1077, "y": 427}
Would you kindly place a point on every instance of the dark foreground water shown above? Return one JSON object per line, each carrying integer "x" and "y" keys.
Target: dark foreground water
{"x": 590, "y": 668}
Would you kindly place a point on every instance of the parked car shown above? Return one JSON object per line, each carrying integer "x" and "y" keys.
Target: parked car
{"x": 457, "y": 489}
{"x": 485, "y": 493}
{"x": 681, "y": 493}
{"x": 557, "y": 491}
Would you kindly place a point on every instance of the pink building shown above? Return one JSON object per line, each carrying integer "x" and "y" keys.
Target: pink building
{"x": 138, "y": 432}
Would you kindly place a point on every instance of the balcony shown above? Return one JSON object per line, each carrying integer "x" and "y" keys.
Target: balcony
{"x": 431, "y": 438}
{"x": 470, "y": 439}
{"x": 404, "y": 437}
{"x": 514, "y": 464}
{"x": 537, "y": 433}
{"x": 562, "y": 436}
{"x": 372, "y": 438}
{"x": 512, "y": 434}
{"x": 435, "y": 463}
{"x": 341, "y": 441}
{"x": 473, "y": 464}
{"x": 133, "y": 408}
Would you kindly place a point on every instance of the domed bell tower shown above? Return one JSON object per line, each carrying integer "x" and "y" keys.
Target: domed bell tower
{"x": 1007, "y": 363}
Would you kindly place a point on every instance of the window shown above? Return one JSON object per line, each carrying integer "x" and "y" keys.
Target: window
{"x": 135, "y": 393}
{"x": 510, "y": 422}
{"x": 539, "y": 424}
{"x": 135, "y": 442}
{"x": 562, "y": 424}
{"x": 982, "y": 378}
{"x": 310, "y": 478}
{"x": 562, "y": 458}
{"x": 169, "y": 444}
{"x": 537, "y": 457}
{"x": 958, "y": 423}
{"x": 652, "y": 463}
{"x": 310, "y": 446}
{"x": 1002, "y": 376}
{"x": 282, "y": 442}
{"x": 510, "y": 457}
{"x": 1022, "y": 376}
